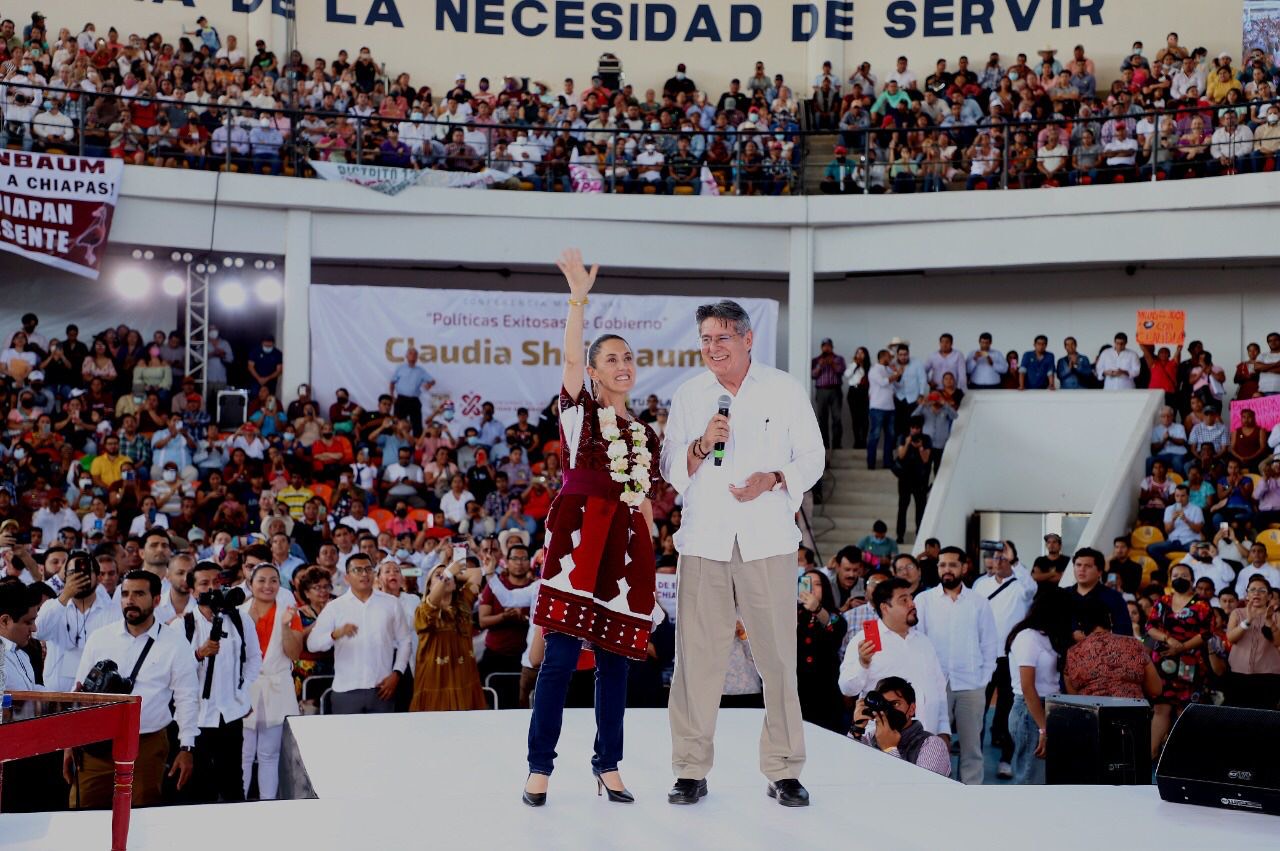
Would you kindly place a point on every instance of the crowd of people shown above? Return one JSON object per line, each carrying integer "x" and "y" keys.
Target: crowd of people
{"x": 199, "y": 100}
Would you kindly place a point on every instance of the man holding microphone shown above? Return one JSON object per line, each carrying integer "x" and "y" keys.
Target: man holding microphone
{"x": 742, "y": 446}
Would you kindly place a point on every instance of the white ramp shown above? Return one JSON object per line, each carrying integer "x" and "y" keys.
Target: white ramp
{"x": 1043, "y": 451}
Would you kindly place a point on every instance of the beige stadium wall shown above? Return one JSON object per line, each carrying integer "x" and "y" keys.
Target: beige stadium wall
{"x": 435, "y": 39}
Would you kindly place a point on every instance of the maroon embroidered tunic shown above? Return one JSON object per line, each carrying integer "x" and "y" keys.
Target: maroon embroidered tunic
{"x": 598, "y": 579}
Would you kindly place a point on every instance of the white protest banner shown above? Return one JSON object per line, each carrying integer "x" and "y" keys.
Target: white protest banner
{"x": 385, "y": 179}
{"x": 501, "y": 347}
{"x": 392, "y": 181}
{"x": 665, "y": 588}
{"x": 434, "y": 40}
{"x": 57, "y": 209}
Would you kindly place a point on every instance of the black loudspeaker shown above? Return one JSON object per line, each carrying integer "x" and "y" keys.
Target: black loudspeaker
{"x": 1223, "y": 756}
{"x": 1097, "y": 741}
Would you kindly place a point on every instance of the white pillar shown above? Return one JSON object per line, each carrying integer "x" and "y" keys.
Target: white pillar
{"x": 295, "y": 319}
{"x": 800, "y": 304}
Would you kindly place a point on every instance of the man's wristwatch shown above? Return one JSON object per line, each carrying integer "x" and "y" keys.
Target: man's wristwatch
{"x": 778, "y": 481}
{"x": 186, "y": 749}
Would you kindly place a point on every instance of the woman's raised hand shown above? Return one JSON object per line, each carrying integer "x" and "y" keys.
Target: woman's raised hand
{"x": 579, "y": 278}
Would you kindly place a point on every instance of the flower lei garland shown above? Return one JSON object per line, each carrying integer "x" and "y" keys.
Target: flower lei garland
{"x": 635, "y": 479}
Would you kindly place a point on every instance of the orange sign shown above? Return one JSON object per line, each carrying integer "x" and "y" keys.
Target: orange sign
{"x": 1157, "y": 327}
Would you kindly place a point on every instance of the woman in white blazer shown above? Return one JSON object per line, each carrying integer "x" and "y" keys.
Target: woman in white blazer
{"x": 272, "y": 694}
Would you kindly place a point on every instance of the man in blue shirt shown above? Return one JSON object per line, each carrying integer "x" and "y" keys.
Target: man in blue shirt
{"x": 266, "y": 364}
{"x": 910, "y": 386}
{"x": 1037, "y": 369}
{"x": 408, "y": 382}
{"x": 491, "y": 433}
{"x": 1075, "y": 372}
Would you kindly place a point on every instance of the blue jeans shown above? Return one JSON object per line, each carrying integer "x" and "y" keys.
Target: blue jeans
{"x": 881, "y": 421}
{"x": 558, "y": 664}
{"x": 1028, "y": 769}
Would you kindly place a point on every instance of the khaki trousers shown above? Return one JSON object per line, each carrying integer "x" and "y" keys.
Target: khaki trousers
{"x": 97, "y": 773}
{"x": 711, "y": 595}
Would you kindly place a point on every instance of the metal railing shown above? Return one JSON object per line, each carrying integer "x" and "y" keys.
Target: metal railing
{"x": 224, "y": 140}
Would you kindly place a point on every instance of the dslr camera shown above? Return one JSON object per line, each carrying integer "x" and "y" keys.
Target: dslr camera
{"x": 873, "y": 703}
{"x": 221, "y": 599}
{"x": 105, "y": 678}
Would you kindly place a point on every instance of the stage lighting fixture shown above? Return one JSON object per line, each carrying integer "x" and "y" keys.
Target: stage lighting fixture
{"x": 173, "y": 284}
{"x": 176, "y": 256}
{"x": 186, "y": 257}
{"x": 269, "y": 290}
{"x": 227, "y": 261}
{"x": 132, "y": 283}
{"x": 148, "y": 255}
{"x": 232, "y": 294}
{"x": 200, "y": 268}
{"x": 257, "y": 264}
{"x": 239, "y": 262}
{"x": 271, "y": 264}
{"x": 137, "y": 254}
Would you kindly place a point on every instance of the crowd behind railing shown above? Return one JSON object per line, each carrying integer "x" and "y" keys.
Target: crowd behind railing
{"x": 203, "y": 104}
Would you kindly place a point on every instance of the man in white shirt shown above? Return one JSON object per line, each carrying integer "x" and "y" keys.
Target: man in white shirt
{"x": 737, "y": 542}
{"x": 962, "y": 628}
{"x": 371, "y": 643}
{"x": 906, "y": 80}
{"x": 52, "y": 127}
{"x": 18, "y": 616}
{"x": 231, "y": 53}
{"x": 227, "y": 663}
{"x": 1232, "y": 148}
{"x": 176, "y": 600}
{"x": 1205, "y": 564}
{"x": 986, "y": 365}
{"x": 404, "y": 479}
{"x": 946, "y": 359}
{"x": 1118, "y": 366}
{"x": 454, "y": 503}
{"x": 648, "y": 168}
{"x": 903, "y": 652}
{"x": 1257, "y": 566}
{"x": 1008, "y": 588}
{"x": 1183, "y": 526}
{"x": 65, "y": 623}
{"x": 1269, "y": 374}
{"x": 1189, "y": 76}
{"x": 55, "y": 516}
{"x": 880, "y": 409}
{"x": 1121, "y": 153}
{"x": 167, "y": 673}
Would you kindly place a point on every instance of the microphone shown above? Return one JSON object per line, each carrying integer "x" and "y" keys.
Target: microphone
{"x": 724, "y": 403}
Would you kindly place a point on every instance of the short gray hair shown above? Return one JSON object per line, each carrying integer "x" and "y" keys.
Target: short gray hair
{"x": 728, "y": 312}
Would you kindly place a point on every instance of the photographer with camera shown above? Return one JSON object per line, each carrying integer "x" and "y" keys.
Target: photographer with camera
{"x": 914, "y": 462}
{"x": 161, "y": 671}
{"x": 890, "y": 646}
{"x": 65, "y": 623}
{"x": 886, "y": 719}
{"x": 228, "y": 661}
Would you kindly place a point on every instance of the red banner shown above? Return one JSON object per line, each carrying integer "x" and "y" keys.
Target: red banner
{"x": 57, "y": 209}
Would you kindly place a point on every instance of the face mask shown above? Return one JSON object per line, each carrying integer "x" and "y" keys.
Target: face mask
{"x": 416, "y": 116}
{"x": 448, "y": 415}
{"x": 27, "y": 69}
{"x": 649, "y": 147}
{"x": 20, "y": 453}
{"x": 1182, "y": 585}
{"x": 288, "y": 437}
{"x": 213, "y": 333}
{"x": 267, "y": 347}
{"x": 472, "y": 441}
{"x": 264, "y": 122}
{"x": 85, "y": 484}
{"x": 1137, "y": 51}
{"x": 402, "y": 554}
{"x": 1273, "y": 118}
{"x": 144, "y": 103}
{"x": 679, "y": 75}
{"x": 1013, "y": 75}
{"x": 402, "y": 512}
{"x": 170, "y": 475}
{"x": 48, "y": 104}
{"x": 655, "y": 126}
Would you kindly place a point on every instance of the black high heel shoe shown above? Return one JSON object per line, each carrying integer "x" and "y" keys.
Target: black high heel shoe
{"x": 623, "y": 797}
{"x": 532, "y": 799}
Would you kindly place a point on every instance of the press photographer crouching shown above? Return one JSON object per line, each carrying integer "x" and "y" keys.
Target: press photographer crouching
{"x": 228, "y": 660}
{"x": 141, "y": 656}
{"x": 886, "y": 719}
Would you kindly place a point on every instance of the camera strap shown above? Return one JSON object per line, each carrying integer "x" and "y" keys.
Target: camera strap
{"x": 1013, "y": 580}
{"x": 142, "y": 657}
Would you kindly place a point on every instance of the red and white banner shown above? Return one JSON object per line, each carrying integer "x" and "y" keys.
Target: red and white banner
{"x": 57, "y": 209}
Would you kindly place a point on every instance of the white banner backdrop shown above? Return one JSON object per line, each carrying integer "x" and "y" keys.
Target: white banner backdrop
{"x": 500, "y": 347}
{"x": 392, "y": 181}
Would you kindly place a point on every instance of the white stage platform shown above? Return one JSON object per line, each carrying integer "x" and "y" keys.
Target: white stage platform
{"x": 453, "y": 779}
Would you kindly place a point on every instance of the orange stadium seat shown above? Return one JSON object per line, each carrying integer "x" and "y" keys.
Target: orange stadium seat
{"x": 382, "y": 517}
